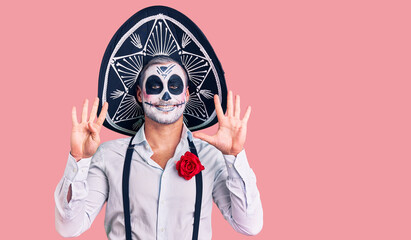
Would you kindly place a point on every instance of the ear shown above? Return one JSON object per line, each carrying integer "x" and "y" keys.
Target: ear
{"x": 139, "y": 94}
{"x": 187, "y": 95}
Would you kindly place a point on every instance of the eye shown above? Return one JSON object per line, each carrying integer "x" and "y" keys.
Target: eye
{"x": 154, "y": 85}
{"x": 175, "y": 84}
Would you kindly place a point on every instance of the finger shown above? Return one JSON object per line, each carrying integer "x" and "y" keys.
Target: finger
{"x": 247, "y": 115}
{"x": 93, "y": 112}
{"x": 93, "y": 130}
{"x": 85, "y": 110}
{"x": 204, "y": 137}
{"x": 218, "y": 108}
{"x": 237, "y": 107}
{"x": 74, "y": 116}
{"x": 229, "y": 104}
{"x": 103, "y": 114}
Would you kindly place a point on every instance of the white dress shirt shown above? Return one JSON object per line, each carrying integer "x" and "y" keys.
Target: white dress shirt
{"x": 161, "y": 202}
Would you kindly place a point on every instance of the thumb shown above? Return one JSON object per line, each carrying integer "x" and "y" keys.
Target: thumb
{"x": 204, "y": 137}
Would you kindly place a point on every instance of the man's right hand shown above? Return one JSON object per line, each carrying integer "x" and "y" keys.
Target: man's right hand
{"x": 85, "y": 136}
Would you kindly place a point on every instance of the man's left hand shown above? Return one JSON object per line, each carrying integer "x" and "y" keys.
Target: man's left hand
{"x": 232, "y": 130}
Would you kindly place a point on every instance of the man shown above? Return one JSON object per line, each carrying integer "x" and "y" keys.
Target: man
{"x": 162, "y": 198}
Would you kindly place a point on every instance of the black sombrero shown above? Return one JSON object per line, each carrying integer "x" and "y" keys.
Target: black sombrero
{"x": 153, "y": 32}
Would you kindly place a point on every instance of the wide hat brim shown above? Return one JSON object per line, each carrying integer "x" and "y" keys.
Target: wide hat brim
{"x": 153, "y": 32}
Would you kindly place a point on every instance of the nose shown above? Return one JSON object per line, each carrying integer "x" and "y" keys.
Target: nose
{"x": 166, "y": 97}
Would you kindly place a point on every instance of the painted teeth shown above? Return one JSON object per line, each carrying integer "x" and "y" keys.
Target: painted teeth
{"x": 165, "y": 108}
{"x": 161, "y": 106}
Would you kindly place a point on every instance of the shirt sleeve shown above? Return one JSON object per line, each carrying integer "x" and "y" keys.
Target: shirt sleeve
{"x": 89, "y": 189}
{"x": 236, "y": 195}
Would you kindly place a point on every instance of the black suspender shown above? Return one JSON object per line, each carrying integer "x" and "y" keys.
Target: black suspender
{"x": 126, "y": 199}
{"x": 126, "y": 180}
{"x": 199, "y": 194}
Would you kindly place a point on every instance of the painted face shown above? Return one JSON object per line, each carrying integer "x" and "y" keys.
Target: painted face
{"x": 164, "y": 92}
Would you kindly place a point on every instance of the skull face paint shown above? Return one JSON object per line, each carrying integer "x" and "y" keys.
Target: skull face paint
{"x": 164, "y": 92}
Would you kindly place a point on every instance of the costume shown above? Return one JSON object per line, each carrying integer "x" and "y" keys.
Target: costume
{"x": 164, "y": 55}
{"x": 163, "y": 202}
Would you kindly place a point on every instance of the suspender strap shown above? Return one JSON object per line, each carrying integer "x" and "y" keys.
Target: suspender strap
{"x": 199, "y": 195}
{"x": 126, "y": 178}
{"x": 126, "y": 200}
{"x": 197, "y": 211}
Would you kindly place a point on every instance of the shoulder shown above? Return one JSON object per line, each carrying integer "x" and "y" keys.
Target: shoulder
{"x": 208, "y": 154}
{"x": 112, "y": 148}
{"x": 115, "y": 144}
{"x": 203, "y": 146}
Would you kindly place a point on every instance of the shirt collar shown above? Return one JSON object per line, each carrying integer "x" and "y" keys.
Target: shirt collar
{"x": 140, "y": 136}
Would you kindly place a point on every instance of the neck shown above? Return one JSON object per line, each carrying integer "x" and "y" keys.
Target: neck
{"x": 163, "y": 136}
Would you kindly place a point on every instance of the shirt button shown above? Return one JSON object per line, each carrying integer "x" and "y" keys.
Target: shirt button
{"x": 147, "y": 146}
{"x": 161, "y": 229}
{"x": 230, "y": 165}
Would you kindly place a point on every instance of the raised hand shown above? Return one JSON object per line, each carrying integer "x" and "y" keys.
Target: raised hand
{"x": 231, "y": 134}
{"x": 85, "y": 136}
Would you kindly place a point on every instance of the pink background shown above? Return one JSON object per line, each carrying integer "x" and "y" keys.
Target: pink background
{"x": 329, "y": 83}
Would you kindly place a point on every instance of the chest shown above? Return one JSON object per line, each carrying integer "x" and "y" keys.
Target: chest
{"x": 161, "y": 156}
{"x": 152, "y": 188}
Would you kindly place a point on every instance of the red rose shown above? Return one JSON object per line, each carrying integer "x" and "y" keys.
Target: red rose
{"x": 188, "y": 166}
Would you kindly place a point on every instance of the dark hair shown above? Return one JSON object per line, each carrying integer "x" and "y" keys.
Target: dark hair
{"x": 159, "y": 60}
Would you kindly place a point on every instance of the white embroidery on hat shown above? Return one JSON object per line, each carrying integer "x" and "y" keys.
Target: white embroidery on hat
{"x": 135, "y": 40}
{"x": 185, "y": 40}
{"x": 161, "y": 42}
